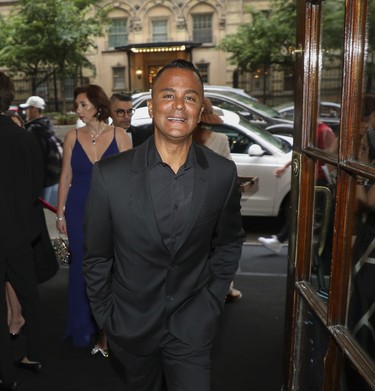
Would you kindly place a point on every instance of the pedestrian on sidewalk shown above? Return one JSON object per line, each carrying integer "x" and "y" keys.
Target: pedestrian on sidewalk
{"x": 83, "y": 147}
{"x": 275, "y": 242}
{"x": 38, "y": 124}
{"x": 122, "y": 113}
{"x": 325, "y": 138}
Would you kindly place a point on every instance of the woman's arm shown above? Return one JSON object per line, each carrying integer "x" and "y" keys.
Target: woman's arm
{"x": 65, "y": 180}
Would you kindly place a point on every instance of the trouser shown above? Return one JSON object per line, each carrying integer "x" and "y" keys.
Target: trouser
{"x": 283, "y": 235}
{"x": 174, "y": 366}
{"x": 7, "y": 370}
{"x": 19, "y": 268}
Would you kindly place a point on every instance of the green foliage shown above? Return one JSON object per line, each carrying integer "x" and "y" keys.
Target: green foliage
{"x": 333, "y": 26}
{"x": 45, "y": 37}
{"x": 266, "y": 39}
{"x": 66, "y": 119}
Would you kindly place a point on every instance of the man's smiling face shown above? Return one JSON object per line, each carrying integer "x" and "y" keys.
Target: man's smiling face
{"x": 176, "y": 103}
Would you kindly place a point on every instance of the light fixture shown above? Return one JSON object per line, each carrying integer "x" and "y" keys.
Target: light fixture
{"x": 139, "y": 73}
{"x": 181, "y": 48}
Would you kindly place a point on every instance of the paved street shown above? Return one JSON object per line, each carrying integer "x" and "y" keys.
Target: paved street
{"x": 247, "y": 352}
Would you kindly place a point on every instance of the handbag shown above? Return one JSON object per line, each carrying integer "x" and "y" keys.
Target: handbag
{"x": 62, "y": 251}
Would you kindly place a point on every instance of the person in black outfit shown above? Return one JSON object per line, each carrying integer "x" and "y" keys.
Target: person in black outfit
{"x": 179, "y": 202}
{"x": 121, "y": 114}
{"x": 21, "y": 176}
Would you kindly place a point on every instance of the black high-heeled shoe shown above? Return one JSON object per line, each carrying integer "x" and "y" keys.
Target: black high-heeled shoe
{"x": 32, "y": 366}
{"x": 13, "y": 336}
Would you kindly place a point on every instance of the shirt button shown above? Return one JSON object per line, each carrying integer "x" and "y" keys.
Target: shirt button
{"x": 169, "y": 298}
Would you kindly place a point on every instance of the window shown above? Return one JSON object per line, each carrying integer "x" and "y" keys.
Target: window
{"x": 159, "y": 30}
{"x": 118, "y": 33}
{"x": 289, "y": 79}
{"x": 203, "y": 70}
{"x": 238, "y": 142}
{"x": 202, "y": 28}
{"x": 69, "y": 85}
{"x": 118, "y": 74}
{"x": 42, "y": 90}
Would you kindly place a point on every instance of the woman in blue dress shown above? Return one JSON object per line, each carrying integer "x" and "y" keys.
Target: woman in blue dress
{"x": 82, "y": 148}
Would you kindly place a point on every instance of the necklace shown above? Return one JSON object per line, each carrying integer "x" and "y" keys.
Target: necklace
{"x": 95, "y": 136}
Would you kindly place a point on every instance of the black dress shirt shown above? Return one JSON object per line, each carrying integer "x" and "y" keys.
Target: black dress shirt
{"x": 171, "y": 194}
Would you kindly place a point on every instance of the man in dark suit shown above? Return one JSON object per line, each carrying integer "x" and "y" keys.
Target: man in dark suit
{"x": 21, "y": 177}
{"x": 122, "y": 112}
{"x": 163, "y": 240}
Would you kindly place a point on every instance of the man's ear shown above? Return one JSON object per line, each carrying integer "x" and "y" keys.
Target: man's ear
{"x": 200, "y": 114}
{"x": 149, "y": 106}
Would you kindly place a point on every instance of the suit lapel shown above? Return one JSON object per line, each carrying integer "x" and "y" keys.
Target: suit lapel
{"x": 142, "y": 195}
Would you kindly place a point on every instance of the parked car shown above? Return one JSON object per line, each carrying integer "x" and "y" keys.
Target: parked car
{"x": 230, "y": 91}
{"x": 245, "y": 106}
{"x": 329, "y": 113}
{"x": 257, "y": 153}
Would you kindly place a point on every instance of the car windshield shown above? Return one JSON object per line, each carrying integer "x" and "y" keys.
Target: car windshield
{"x": 260, "y": 107}
{"x": 279, "y": 143}
{"x": 140, "y": 100}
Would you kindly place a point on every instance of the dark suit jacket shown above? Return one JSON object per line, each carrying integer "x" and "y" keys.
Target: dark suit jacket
{"x": 21, "y": 173}
{"x": 136, "y": 287}
{"x": 140, "y": 133}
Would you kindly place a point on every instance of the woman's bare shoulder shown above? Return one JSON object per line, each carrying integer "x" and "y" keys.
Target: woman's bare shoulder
{"x": 70, "y": 135}
{"x": 123, "y": 137}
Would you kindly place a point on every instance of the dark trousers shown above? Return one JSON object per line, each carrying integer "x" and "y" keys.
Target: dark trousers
{"x": 7, "y": 370}
{"x": 18, "y": 266}
{"x": 283, "y": 235}
{"x": 174, "y": 366}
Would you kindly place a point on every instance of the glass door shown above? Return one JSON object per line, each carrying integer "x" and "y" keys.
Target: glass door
{"x": 330, "y": 329}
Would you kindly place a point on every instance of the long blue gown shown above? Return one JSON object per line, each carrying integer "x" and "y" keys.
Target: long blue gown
{"x": 80, "y": 323}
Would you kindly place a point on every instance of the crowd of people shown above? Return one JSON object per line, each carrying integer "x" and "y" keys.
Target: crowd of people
{"x": 153, "y": 222}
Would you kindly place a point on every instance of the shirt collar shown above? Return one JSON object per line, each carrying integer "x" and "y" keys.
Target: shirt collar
{"x": 154, "y": 158}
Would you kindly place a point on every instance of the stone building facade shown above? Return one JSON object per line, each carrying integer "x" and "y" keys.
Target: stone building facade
{"x": 142, "y": 36}
{"x": 146, "y": 35}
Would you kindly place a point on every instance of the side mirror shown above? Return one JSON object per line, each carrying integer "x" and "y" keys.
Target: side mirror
{"x": 246, "y": 114}
{"x": 256, "y": 150}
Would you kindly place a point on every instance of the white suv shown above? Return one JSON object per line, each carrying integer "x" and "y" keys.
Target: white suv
{"x": 257, "y": 153}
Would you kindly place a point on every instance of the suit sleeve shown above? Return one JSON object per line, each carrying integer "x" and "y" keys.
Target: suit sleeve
{"x": 98, "y": 259}
{"x": 227, "y": 242}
